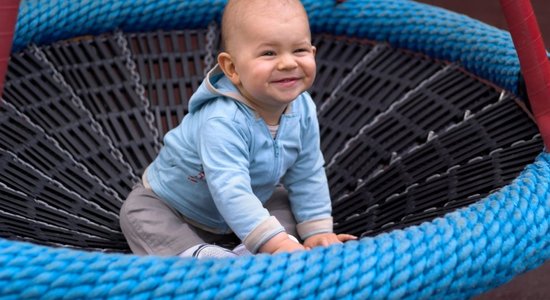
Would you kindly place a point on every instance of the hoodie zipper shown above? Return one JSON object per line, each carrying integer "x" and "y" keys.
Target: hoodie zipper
{"x": 276, "y": 150}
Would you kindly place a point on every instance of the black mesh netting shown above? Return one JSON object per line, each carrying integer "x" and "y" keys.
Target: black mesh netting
{"x": 406, "y": 138}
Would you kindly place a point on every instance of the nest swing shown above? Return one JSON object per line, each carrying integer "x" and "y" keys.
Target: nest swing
{"x": 432, "y": 157}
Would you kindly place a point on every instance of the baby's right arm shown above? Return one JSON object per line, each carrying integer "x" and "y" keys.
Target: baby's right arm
{"x": 280, "y": 243}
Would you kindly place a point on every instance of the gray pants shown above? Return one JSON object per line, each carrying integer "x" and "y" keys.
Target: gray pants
{"x": 152, "y": 227}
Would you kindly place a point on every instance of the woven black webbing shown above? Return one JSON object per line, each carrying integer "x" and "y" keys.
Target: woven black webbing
{"x": 31, "y": 88}
{"x": 21, "y": 218}
{"x": 438, "y": 195}
{"x": 335, "y": 58}
{"x": 171, "y": 67}
{"x": 386, "y": 76}
{"x": 43, "y": 200}
{"x": 32, "y": 145}
{"x": 96, "y": 70}
{"x": 436, "y": 104}
{"x": 496, "y": 127}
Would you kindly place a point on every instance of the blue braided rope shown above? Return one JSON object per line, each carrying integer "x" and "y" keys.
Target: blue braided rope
{"x": 463, "y": 254}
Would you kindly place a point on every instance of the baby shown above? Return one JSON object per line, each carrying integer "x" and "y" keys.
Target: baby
{"x": 246, "y": 160}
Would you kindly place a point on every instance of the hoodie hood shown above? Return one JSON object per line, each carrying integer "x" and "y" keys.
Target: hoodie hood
{"x": 214, "y": 85}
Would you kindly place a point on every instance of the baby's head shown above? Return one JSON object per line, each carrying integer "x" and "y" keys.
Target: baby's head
{"x": 236, "y": 13}
{"x": 267, "y": 51}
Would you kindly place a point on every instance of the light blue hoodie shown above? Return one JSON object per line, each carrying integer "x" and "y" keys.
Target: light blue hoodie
{"x": 221, "y": 164}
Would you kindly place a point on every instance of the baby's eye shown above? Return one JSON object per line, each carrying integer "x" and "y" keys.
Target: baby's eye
{"x": 268, "y": 53}
{"x": 301, "y": 50}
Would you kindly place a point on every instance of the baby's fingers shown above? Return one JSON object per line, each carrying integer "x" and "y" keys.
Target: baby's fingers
{"x": 345, "y": 237}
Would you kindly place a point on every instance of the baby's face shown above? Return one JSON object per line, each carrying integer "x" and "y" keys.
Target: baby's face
{"x": 273, "y": 57}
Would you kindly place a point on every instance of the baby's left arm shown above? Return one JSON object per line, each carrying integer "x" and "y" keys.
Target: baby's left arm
{"x": 326, "y": 239}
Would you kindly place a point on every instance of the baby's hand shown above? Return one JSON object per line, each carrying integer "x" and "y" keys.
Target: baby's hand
{"x": 325, "y": 239}
{"x": 281, "y": 243}
{"x": 289, "y": 245}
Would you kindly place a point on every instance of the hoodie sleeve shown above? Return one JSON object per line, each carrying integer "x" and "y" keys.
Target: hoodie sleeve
{"x": 224, "y": 152}
{"x": 306, "y": 180}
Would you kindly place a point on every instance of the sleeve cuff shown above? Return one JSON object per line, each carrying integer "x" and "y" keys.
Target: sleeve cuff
{"x": 262, "y": 233}
{"x": 313, "y": 227}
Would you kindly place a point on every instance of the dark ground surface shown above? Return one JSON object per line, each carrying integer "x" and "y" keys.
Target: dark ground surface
{"x": 533, "y": 285}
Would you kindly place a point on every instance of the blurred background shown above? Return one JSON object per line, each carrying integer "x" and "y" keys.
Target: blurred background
{"x": 533, "y": 285}
{"x": 489, "y": 12}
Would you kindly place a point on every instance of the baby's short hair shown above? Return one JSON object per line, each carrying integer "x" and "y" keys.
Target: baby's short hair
{"x": 237, "y": 8}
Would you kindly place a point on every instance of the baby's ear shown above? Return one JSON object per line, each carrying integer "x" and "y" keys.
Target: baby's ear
{"x": 225, "y": 61}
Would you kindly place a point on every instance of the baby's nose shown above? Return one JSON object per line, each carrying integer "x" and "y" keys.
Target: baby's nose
{"x": 286, "y": 61}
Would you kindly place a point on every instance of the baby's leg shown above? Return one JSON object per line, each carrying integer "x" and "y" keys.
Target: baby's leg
{"x": 152, "y": 227}
{"x": 279, "y": 207}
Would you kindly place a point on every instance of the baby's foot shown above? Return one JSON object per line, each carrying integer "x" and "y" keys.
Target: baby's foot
{"x": 207, "y": 251}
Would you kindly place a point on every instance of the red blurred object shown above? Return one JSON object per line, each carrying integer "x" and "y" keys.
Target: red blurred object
{"x": 8, "y": 18}
{"x": 534, "y": 62}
